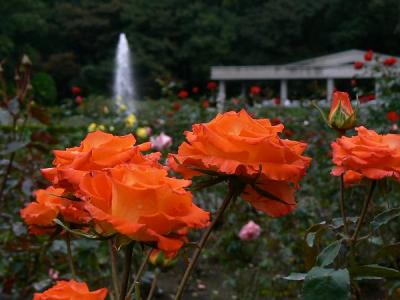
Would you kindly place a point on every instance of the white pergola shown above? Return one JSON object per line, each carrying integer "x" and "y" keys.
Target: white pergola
{"x": 328, "y": 67}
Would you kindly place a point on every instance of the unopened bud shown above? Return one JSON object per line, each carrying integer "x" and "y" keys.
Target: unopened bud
{"x": 342, "y": 116}
{"x": 162, "y": 259}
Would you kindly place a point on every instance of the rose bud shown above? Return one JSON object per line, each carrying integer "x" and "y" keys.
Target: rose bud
{"x": 161, "y": 259}
{"x": 342, "y": 115}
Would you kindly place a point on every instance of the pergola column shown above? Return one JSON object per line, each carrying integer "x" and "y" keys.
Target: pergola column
{"x": 243, "y": 91}
{"x": 284, "y": 90}
{"x": 330, "y": 86}
{"x": 221, "y": 96}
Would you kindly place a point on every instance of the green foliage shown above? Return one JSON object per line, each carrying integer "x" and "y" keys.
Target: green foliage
{"x": 44, "y": 88}
{"x": 184, "y": 38}
{"x": 326, "y": 284}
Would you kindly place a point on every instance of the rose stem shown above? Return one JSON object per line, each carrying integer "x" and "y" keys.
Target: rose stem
{"x": 136, "y": 284}
{"x": 127, "y": 270}
{"x": 342, "y": 210}
{"x": 113, "y": 256}
{"x": 232, "y": 193}
{"x": 153, "y": 285}
{"x": 69, "y": 254}
{"x": 364, "y": 211}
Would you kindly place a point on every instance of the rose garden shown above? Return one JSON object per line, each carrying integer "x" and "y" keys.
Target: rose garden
{"x": 197, "y": 194}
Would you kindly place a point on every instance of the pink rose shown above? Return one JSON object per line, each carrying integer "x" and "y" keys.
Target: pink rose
{"x": 161, "y": 141}
{"x": 250, "y": 232}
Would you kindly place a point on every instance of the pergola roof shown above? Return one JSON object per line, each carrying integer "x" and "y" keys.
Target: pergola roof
{"x": 337, "y": 65}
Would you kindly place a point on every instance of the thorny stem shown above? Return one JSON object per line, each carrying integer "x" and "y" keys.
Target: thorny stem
{"x": 136, "y": 284}
{"x": 127, "y": 270}
{"x": 233, "y": 192}
{"x": 113, "y": 256}
{"x": 69, "y": 254}
{"x": 363, "y": 212}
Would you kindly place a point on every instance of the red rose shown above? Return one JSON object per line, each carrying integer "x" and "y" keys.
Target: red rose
{"x": 183, "y": 94}
{"x": 205, "y": 103}
{"x": 255, "y": 90}
{"x": 393, "y": 116}
{"x": 390, "y": 61}
{"x": 79, "y": 100}
{"x": 369, "y": 55}
{"x": 75, "y": 90}
{"x": 277, "y": 101}
{"x": 212, "y": 85}
{"x": 366, "y": 98}
{"x": 176, "y": 106}
{"x": 195, "y": 90}
{"x": 358, "y": 65}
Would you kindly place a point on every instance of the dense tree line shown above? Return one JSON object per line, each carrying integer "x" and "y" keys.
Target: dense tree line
{"x": 73, "y": 41}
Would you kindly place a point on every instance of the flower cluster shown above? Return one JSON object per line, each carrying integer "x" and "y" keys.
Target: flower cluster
{"x": 119, "y": 189}
{"x": 109, "y": 187}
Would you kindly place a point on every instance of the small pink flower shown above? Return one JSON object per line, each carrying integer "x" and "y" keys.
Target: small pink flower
{"x": 53, "y": 274}
{"x": 250, "y": 231}
{"x": 161, "y": 141}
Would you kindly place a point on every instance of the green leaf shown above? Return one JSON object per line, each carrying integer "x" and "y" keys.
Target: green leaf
{"x": 296, "y": 276}
{"x": 328, "y": 254}
{"x": 338, "y": 222}
{"x": 311, "y": 243}
{"x": 326, "y": 284}
{"x": 385, "y": 217}
{"x": 374, "y": 271}
{"x": 313, "y": 233}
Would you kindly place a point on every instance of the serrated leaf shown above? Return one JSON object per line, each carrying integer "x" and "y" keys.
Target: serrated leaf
{"x": 385, "y": 217}
{"x": 295, "y": 276}
{"x": 326, "y": 284}
{"x": 328, "y": 254}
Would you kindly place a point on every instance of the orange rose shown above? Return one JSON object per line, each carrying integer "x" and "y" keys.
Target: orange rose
{"x": 143, "y": 203}
{"x": 97, "y": 151}
{"x": 71, "y": 290}
{"x": 367, "y": 154}
{"x": 48, "y": 205}
{"x": 236, "y": 144}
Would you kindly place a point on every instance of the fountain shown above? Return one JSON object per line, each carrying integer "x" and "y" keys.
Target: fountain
{"x": 123, "y": 89}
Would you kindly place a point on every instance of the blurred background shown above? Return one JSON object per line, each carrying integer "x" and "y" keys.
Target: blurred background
{"x": 72, "y": 42}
